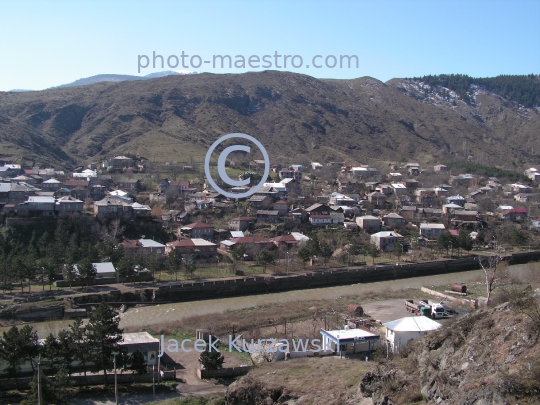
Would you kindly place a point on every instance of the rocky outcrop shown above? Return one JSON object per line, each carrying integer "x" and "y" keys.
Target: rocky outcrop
{"x": 489, "y": 357}
{"x": 252, "y": 391}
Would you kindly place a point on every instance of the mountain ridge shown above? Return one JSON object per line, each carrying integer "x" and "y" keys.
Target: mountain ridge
{"x": 295, "y": 116}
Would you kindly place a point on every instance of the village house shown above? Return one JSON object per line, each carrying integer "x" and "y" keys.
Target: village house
{"x": 527, "y": 197}
{"x": 275, "y": 191}
{"x": 142, "y": 247}
{"x": 399, "y": 189}
{"x": 465, "y": 216}
{"x": 318, "y": 220}
{"x": 338, "y": 218}
{"x": 130, "y": 185}
{"x": 514, "y": 214}
{"x": 68, "y": 205}
{"x": 340, "y": 199}
{"x": 385, "y": 240}
{"x": 198, "y": 230}
{"x": 141, "y": 211}
{"x": 286, "y": 242}
{"x": 393, "y": 220}
{"x": 449, "y": 209}
{"x": 319, "y": 209}
{"x": 431, "y": 231}
{"x": 250, "y": 243}
{"x": 440, "y": 168}
{"x": 23, "y": 179}
{"x": 18, "y": 192}
{"x": 197, "y": 248}
{"x": 430, "y": 212}
{"x": 258, "y": 202}
{"x": 394, "y": 177}
{"x": 267, "y": 216}
{"x": 377, "y": 198}
{"x": 466, "y": 180}
{"x": 369, "y": 223}
{"x": 290, "y": 174}
{"x": 112, "y": 207}
{"x": 425, "y": 197}
{"x": 39, "y": 206}
{"x": 281, "y": 206}
{"x": 456, "y": 199}
{"x": 51, "y": 185}
{"x": 240, "y": 223}
{"x": 408, "y": 212}
{"x": 179, "y": 186}
{"x": 385, "y": 188}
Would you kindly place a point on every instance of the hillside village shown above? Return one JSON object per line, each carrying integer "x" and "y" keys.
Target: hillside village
{"x": 393, "y": 209}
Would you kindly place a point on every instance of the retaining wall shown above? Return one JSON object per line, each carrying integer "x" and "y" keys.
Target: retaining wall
{"x": 223, "y": 372}
{"x": 239, "y": 286}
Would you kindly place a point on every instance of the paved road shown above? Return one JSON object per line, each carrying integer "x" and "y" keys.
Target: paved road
{"x": 181, "y": 391}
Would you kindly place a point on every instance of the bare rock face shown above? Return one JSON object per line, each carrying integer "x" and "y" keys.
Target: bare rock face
{"x": 251, "y": 391}
{"x": 490, "y": 357}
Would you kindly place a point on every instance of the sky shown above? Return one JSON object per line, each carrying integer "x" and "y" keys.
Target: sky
{"x": 45, "y": 44}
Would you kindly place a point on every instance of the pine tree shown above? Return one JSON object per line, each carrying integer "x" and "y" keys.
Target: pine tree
{"x": 103, "y": 336}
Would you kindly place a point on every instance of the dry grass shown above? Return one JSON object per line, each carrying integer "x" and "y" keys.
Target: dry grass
{"x": 272, "y": 316}
{"x": 326, "y": 380}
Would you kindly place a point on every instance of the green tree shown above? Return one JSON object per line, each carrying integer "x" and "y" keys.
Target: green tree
{"x": 447, "y": 241}
{"x": 373, "y": 252}
{"x": 304, "y": 255}
{"x": 55, "y": 391}
{"x": 175, "y": 260}
{"x": 356, "y": 249}
{"x": 50, "y": 353}
{"x": 87, "y": 271}
{"x": 17, "y": 346}
{"x": 266, "y": 257}
{"x": 11, "y": 351}
{"x": 237, "y": 254}
{"x": 398, "y": 250}
{"x": 211, "y": 359}
{"x": 326, "y": 252}
{"x": 189, "y": 266}
{"x": 465, "y": 241}
{"x": 103, "y": 336}
{"x": 70, "y": 274}
{"x": 125, "y": 268}
{"x": 137, "y": 363}
{"x": 81, "y": 352}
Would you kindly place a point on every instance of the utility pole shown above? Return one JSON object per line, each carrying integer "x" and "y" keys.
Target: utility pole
{"x": 115, "y": 380}
{"x": 39, "y": 399}
{"x": 153, "y": 381}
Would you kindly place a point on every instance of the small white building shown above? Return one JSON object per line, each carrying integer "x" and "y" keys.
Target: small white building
{"x": 350, "y": 340}
{"x": 400, "y": 331}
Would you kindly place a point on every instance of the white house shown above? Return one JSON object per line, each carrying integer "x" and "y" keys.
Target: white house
{"x": 400, "y": 331}
{"x": 431, "y": 231}
{"x": 386, "y": 240}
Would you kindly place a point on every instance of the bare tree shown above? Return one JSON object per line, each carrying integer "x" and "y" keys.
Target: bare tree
{"x": 493, "y": 266}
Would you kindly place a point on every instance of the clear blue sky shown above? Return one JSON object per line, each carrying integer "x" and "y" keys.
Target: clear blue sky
{"x": 43, "y": 44}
